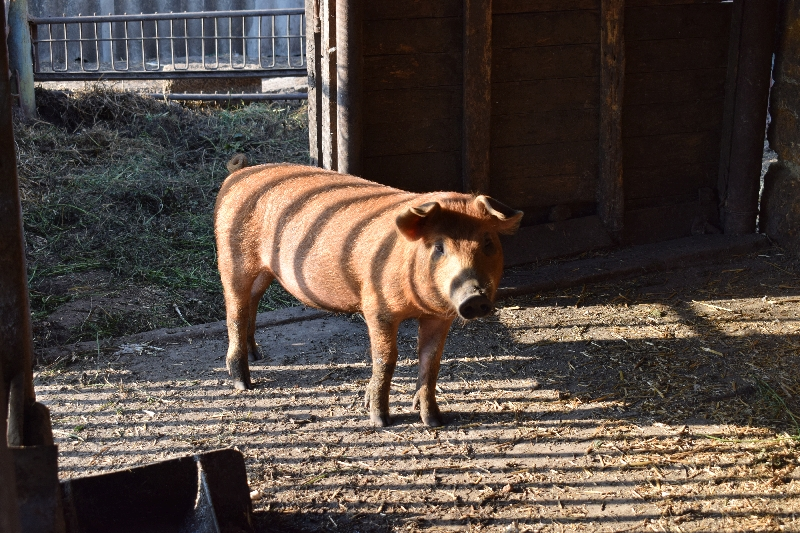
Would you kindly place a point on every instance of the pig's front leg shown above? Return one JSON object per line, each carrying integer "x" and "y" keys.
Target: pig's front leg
{"x": 383, "y": 341}
{"x": 432, "y": 334}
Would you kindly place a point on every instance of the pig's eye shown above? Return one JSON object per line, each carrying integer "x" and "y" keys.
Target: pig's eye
{"x": 488, "y": 245}
{"x": 438, "y": 248}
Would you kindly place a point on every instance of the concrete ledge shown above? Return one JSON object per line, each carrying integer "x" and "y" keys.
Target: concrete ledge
{"x": 212, "y": 329}
{"x": 630, "y": 262}
{"x": 625, "y": 263}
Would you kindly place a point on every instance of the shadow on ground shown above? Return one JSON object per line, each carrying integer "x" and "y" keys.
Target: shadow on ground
{"x": 666, "y": 402}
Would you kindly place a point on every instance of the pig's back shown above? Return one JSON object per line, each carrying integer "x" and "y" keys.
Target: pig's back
{"x": 319, "y": 232}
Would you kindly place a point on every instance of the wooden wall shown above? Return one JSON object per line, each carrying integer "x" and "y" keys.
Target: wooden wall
{"x": 588, "y": 167}
{"x": 413, "y": 93}
{"x": 545, "y": 107}
{"x": 676, "y": 62}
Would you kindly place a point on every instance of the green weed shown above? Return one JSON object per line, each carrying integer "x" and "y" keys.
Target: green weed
{"x": 118, "y": 194}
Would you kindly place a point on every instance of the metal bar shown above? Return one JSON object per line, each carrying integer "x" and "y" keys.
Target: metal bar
{"x": 80, "y": 46}
{"x": 166, "y": 16}
{"x": 168, "y": 75}
{"x": 208, "y": 63}
{"x": 97, "y": 46}
{"x": 272, "y": 40}
{"x": 158, "y": 49}
{"x": 66, "y": 49}
{"x": 258, "y": 97}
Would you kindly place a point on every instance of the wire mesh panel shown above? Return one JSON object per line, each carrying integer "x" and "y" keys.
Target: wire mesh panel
{"x": 170, "y": 45}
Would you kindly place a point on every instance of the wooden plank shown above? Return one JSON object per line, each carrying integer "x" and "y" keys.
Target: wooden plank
{"x": 413, "y": 36}
{"x": 314, "y": 69}
{"x": 661, "y": 181}
{"x": 676, "y": 86}
{"x": 575, "y": 158}
{"x": 416, "y": 172}
{"x": 672, "y": 149}
{"x": 630, "y": 262}
{"x": 414, "y": 70}
{"x": 533, "y": 6}
{"x": 610, "y": 194}
{"x": 673, "y": 2}
{"x": 349, "y": 85}
{"x": 655, "y": 224}
{"x": 687, "y": 21}
{"x": 662, "y": 201}
{"x": 545, "y": 29}
{"x": 412, "y": 105}
{"x": 675, "y": 54}
{"x": 672, "y": 117}
{"x": 413, "y": 137}
{"x": 543, "y": 62}
{"x": 752, "y": 39}
{"x": 547, "y": 191}
{"x": 477, "y": 95}
{"x": 538, "y": 6}
{"x": 408, "y": 9}
{"x": 328, "y": 74}
{"x": 545, "y": 95}
{"x": 557, "y": 239}
{"x": 563, "y": 125}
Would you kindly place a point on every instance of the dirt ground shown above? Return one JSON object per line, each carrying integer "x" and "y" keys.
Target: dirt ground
{"x": 663, "y": 403}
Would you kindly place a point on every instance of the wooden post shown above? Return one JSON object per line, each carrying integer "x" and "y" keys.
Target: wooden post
{"x": 610, "y": 193}
{"x": 476, "y": 143}
{"x": 16, "y": 337}
{"x": 327, "y": 56}
{"x": 349, "y": 93}
{"x": 746, "y": 96}
{"x": 313, "y": 65}
{"x": 9, "y": 516}
{"x": 20, "y": 56}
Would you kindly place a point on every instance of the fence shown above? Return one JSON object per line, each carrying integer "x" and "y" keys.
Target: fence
{"x": 204, "y": 44}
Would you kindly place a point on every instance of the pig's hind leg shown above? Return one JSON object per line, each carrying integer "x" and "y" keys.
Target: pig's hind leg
{"x": 260, "y": 286}
{"x": 432, "y": 335}
{"x": 240, "y": 292}
{"x": 383, "y": 341}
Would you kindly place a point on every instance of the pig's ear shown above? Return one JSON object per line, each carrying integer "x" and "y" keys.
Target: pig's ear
{"x": 411, "y": 221}
{"x": 508, "y": 219}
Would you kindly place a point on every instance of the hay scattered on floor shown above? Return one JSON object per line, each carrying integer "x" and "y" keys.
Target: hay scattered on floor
{"x": 118, "y": 192}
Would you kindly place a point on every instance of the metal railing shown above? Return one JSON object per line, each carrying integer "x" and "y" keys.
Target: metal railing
{"x": 204, "y": 44}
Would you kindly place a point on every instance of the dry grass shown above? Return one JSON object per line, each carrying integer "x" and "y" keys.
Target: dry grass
{"x": 118, "y": 192}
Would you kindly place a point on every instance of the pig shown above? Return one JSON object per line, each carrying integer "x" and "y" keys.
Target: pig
{"x": 348, "y": 245}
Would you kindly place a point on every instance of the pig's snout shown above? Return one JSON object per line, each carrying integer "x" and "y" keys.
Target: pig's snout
{"x": 469, "y": 296}
{"x": 475, "y": 306}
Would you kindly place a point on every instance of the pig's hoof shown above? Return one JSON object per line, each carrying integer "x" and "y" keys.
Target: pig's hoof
{"x": 379, "y": 420}
{"x": 431, "y": 418}
{"x": 240, "y": 384}
{"x": 240, "y": 375}
{"x": 255, "y": 354}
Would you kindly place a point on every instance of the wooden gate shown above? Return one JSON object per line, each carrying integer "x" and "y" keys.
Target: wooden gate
{"x": 606, "y": 121}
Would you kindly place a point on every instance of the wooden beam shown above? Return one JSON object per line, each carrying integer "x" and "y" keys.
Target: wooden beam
{"x": 349, "y": 85}
{"x": 327, "y": 55}
{"x": 314, "y": 68}
{"x": 610, "y": 193}
{"x": 475, "y": 151}
{"x": 747, "y": 92}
